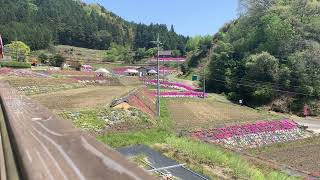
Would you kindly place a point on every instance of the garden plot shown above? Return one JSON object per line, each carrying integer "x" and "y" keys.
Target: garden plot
{"x": 33, "y": 86}
{"x": 254, "y": 135}
{"x": 103, "y": 119}
{"x": 302, "y": 155}
{"x": 77, "y": 99}
{"x": 21, "y": 73}
{"x": 196, "y": 113}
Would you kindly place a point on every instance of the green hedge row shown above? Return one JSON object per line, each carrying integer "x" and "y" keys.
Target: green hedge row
{"x": 15, "y": 64}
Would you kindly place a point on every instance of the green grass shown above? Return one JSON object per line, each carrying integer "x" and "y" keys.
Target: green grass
{"x": 97, "y": 119}
{"x": 147, "y": 137}
{"x": 86, "y": 120}
{"x": 215, "y": 155}
{"x": 15, "y": 64}
{"x": 196, "y": 151}
{"x": 158, "y": 134}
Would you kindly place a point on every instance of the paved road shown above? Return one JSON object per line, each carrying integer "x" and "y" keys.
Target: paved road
{"x": 313, "y": 125}
{"x": 51, "y": 148}
{"x": 158, "y": 161}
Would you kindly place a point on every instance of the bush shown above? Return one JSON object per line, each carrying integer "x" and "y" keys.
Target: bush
{"x": 15, "y": 64}
{"x": 43, "y": 58}
{"x": 57, "y": 60}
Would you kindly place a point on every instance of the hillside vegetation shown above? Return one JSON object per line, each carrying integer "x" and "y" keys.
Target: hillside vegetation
{"x": 39, "y": 23}
{"x": 272, "y": 50}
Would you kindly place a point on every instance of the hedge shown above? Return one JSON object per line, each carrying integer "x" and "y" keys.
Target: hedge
{"x": 15, "y": 64}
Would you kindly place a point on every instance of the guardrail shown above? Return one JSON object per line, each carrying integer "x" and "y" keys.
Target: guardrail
{"x": 8, "y": 167}
{"x": 45, "y": 146}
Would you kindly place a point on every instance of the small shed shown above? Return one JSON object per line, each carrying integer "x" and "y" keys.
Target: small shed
{"x": 152, "y": 72}
{"x": 165, "y": 53}
{"x": 102, "y": 72}
{"x": 131, "y": 72}
{"x": 143, "y": 71}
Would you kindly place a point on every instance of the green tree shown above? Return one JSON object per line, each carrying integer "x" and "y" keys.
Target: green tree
{"x": 43, "y": 58}
{"x": 262, "y": 67}
{"x": 19, "y": 50}
{"x": 119, "y": 53}
{"x": 140, "y": 54}
{"x": 151, "y": 52}
{"x": 57, "y": 60}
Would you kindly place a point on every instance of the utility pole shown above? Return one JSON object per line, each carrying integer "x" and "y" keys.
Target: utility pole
{"x": 204, "y": 80}
{"x": 158, "y": 42}
{"x": 163, "y": 70}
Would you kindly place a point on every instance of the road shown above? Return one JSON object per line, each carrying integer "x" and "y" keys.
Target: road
{"x": 313, "y": 125}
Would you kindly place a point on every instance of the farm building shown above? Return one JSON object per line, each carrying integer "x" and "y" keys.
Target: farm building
{"x": 167, "y": 56}
{"x": 152, "y": 72}
{"x": 147, "y": 71}
{"x": 102, "y": 72}
{"x": 131, "y": 72}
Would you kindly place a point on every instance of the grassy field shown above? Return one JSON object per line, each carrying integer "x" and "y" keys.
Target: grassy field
{"x": 82, "y": 98}
{"x": 203, "y": 113}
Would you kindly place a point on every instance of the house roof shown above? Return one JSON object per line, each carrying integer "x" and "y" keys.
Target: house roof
{"x": 131, "y": 71}
{"x": 102, "y": 70}
{"x": 152, "y": 71}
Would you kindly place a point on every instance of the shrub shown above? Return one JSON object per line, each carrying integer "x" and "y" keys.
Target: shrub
{"x": 57, "y": 60}
{"x": 43, "y": 58}
{"x": 15, "y": 64}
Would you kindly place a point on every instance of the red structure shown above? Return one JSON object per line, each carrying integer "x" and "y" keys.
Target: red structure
{"x": 1, "y": 48}
{"x": 167, "y": 56}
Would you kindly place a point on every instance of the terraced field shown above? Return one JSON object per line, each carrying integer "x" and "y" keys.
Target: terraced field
{"x": 300, "y": 155}
{"x": 77, "y": 99}
{"x": 200, "y": 113}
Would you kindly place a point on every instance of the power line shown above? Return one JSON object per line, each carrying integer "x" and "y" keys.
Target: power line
{"x": 278, "y": 90}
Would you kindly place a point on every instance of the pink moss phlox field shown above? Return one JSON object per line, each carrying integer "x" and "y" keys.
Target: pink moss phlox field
{"x": 228, "y": 132}
{"x": 252, "y": 135}
{"x": 173, "y": 85}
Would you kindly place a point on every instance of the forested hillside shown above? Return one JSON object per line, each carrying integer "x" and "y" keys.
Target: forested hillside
{"x": 39, "y": 23}
{"x": 272, "y": 52}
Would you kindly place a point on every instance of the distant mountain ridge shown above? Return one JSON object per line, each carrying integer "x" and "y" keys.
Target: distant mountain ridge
{"x": 72, "y": 22}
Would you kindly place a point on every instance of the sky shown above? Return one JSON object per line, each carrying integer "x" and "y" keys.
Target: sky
{"x": 189, "y": 17}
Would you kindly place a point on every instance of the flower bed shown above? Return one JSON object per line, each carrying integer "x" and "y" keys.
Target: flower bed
{"x": 181, "y": 94}
{"x": 186, "y": 91}
{"x": 43, "y": 89}
{"x": 173, "y": 85}
{"x": 71, "y": 73}
{"x": 252, "y": 135}
{"x": 5, "y": 71}
{"x": 27, "y": 73}
{"x": 97, "y": 80}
